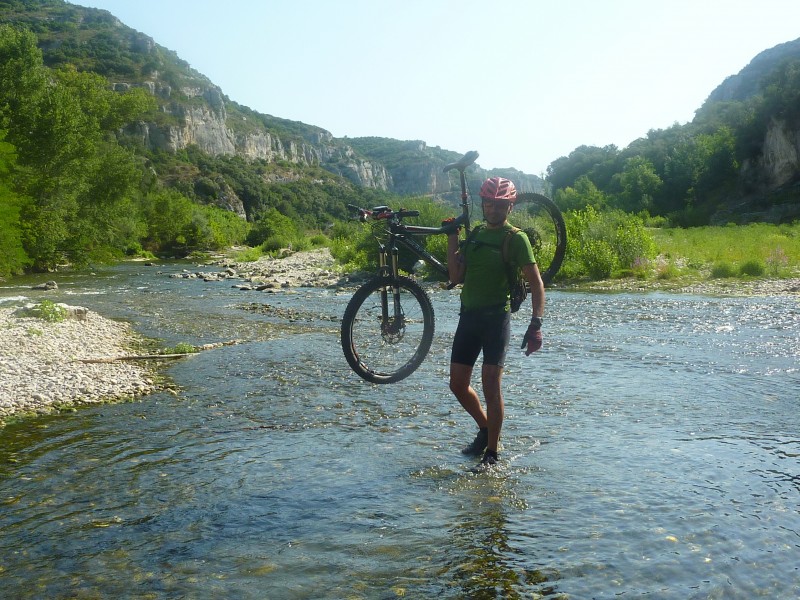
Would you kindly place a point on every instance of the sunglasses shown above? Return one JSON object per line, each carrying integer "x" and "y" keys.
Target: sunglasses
{"x": 498, "y": 204}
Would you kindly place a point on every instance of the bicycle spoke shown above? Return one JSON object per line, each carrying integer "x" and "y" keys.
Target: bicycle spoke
{"x": 386, "y": 349}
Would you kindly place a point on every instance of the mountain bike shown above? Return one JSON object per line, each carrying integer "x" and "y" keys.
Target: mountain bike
{"x": 388, "y": 325}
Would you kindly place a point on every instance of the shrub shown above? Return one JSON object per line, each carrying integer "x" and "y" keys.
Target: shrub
{"x": 248, "y": 255}
{"x": 667, "y": 271}
{"x": 49, "y": 311}
{"x": 753, "y": 268}
{"x": 641, "y": 268}
{"x": 599, "y": 258}
{"x": 777, "y": 261}
{"x": 318, "y": 240}
{"x": 272, "y": 224}
{"x": 722, "y": 270}
{"x": 601, "y": 243}
{"x": 351, "y": 253}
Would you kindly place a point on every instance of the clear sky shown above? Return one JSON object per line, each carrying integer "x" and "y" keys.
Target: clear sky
{"x": 523, "y": 82}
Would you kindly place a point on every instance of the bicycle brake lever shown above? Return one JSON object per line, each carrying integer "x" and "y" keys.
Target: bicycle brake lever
{"x": 380, "y": 212}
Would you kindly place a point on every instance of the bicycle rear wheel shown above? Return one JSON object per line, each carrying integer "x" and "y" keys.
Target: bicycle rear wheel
{"x": 387, "y": 329}
{"x": 547, "y": 233}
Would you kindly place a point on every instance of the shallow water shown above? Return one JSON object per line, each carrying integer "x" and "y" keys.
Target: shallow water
{"x": 650, "y": 449}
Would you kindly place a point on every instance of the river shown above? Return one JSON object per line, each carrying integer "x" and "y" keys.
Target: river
{"x": 651, "y": 449}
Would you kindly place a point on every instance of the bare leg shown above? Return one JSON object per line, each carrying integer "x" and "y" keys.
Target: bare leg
{"x": 491, "y": 376}
{"x": 460, "y": 376}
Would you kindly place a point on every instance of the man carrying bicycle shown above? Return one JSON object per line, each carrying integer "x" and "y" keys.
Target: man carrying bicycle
{"x": 485, "y": 321}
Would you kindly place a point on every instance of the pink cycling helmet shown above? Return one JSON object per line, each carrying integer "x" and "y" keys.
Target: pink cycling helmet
{"x": 498, "y": 188}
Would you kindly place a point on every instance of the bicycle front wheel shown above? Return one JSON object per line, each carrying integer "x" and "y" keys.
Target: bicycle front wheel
{"x": 387, "y": 329}
{"x": 547, "y": 233}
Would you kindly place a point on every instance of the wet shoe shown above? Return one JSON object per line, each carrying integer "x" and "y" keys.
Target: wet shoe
{"x": 487, "y": 464}
{"x": 489, "y": 459}
{"x": 478, "y": 445}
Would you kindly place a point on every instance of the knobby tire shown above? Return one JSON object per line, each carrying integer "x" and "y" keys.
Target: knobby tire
{"x": 550, "y": 247}
{"x": 387, "y": 350}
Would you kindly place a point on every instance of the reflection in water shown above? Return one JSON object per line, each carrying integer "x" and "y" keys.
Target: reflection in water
{"x": 486, "y": 563}
{"x": 650, "y": 449}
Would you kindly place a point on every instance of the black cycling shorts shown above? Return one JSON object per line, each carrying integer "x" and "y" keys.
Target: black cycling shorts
{"x": 488, "y": 331}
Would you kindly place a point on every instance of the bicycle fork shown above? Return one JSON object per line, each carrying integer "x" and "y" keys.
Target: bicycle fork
{"x": 391, "y": 324}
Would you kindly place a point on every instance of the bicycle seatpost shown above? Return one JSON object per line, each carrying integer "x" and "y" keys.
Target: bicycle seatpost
{"x": 462, "y": 164}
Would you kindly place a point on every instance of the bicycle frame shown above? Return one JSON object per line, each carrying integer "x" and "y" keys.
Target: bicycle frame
{"x": 402, "y": 234}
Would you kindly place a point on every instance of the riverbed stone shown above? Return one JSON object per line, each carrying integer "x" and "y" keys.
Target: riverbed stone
{"x": 41, "y": 362}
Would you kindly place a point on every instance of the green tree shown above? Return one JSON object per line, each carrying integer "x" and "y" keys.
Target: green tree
{"x": 584, "y": 194}
{"x": 598, "y": 164}
{"x": 170, "y": 221}
{"x": 13, "y": 258}
{"x": 639, "y": 184}
{"x": 80, "y": 182}
{"x": 273, "y": 230}
{"x": 225, "y": 229}
{"x": 697, "y": 168}
{"x": 105, "y": 110}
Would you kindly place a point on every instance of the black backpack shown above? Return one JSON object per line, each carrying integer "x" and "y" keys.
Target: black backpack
{"x": 518, "y": 290}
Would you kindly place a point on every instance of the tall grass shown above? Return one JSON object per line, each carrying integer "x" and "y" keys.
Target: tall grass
{"x": 758, "y": 249}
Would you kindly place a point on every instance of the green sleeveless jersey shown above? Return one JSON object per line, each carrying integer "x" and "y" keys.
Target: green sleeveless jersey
{"x": 485, "y": 281}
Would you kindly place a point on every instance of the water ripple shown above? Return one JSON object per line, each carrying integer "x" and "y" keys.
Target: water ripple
{"x": 650, "y": 448}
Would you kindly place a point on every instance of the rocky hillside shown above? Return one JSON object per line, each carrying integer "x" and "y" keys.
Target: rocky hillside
{"x": 194, "y": 112}
{"x": 750, "y": 80}
{"x": 770, "y": 170}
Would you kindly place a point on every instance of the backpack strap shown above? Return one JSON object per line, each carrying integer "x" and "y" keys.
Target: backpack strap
{"x": 471, "y": 237}
{"x": 503, "y": 247}
{"x": 507, "y": 242}
{"x": 510, "y": 270}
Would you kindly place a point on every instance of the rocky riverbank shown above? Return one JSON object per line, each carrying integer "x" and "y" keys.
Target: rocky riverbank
{"x": 707, "y": 287}
{"x": 312, "y": 268}
{"x": 42, "y": 364}
{"x": 317, "y": 268}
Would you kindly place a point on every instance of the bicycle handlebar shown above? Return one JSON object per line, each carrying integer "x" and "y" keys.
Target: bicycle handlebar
{"x": 382, "y": 212}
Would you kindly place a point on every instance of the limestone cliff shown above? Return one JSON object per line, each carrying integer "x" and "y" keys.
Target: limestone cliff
{"x": 779, "y": 161}
{"x": 205, "y": 124}
{"x": 768, "y": 179}
{"x": 770, "y": 175}
{"x": 194, "y": 112}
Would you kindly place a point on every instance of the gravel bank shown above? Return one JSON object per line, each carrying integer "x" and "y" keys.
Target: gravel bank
{"x": 40, "y": 362}
{"x": 40, "y": 366}
{"x": 710, "y": 287}
{"x": 309, "y": 268}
